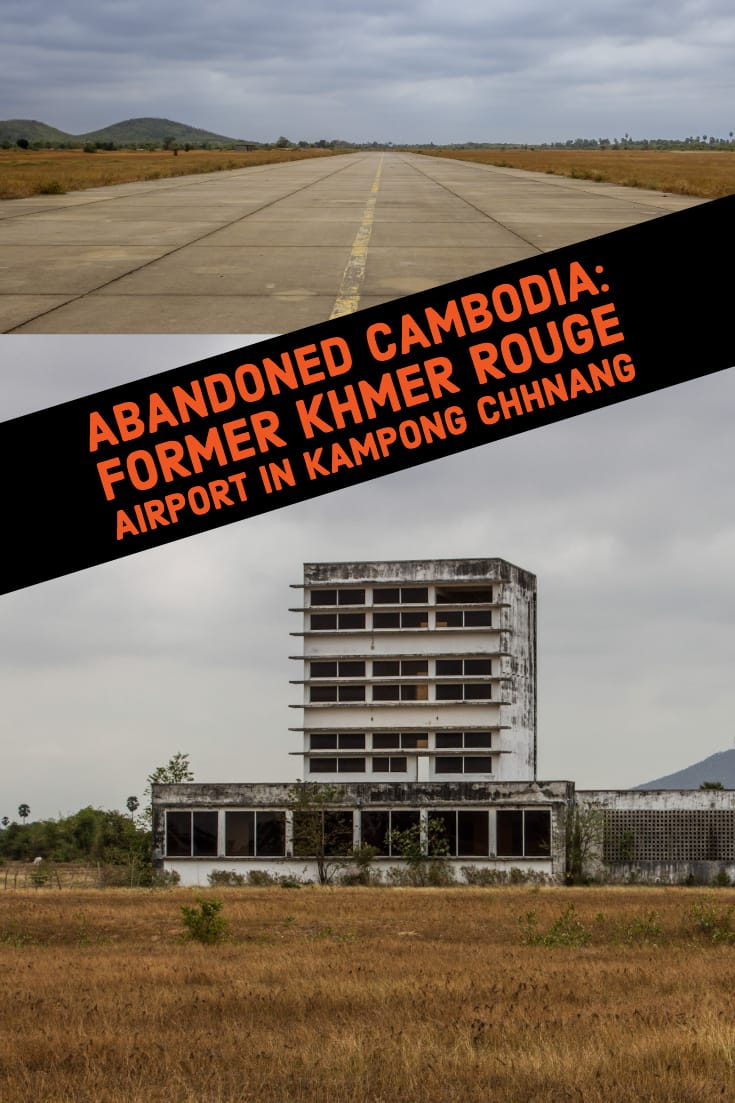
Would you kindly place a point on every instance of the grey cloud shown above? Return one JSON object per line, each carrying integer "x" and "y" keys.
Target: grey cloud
{"x": 524, "y": 71}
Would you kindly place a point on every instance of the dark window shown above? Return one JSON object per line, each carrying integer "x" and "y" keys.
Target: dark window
{"x": 386, "y": 741}
{"x": 455, "y": 764}
{"x": 477, "y": 618}
{"x": 478, "y": 739}
{"x": 473, "y": 839}
{"x": 178, "y": 834}
{"x": 270, "y": 834}
{"x": 448, "y": 619}
{"x": 451, "y": 691}
{"x": 351, "y": 620}
{"x": 307, "y": 832}
{"x": 414, "y": 740}
{"x": 463, "y": 666}
{"x": 323, "y": 670}
{"x": 375, "y": 830}
{"x": 350, "y": 597}
{"x": 240, "y": 834}
{"x": 326, "y": 832}
{"x": 386, "y": 692}
{"x": 412, "y": 668}
{"x": 323, "y": 741}
{"x": 322, "y": 622}
{"x": 351, "y": 669}
{"x": 510, "y": 833}
{"x": 448, "y": 667}
{"x": 352, "y": 741}
{"x": 393, "y": 765}
{"x": 414, "y": 594}
{"x": 323, "y": 765}
{"x": 323, "y": 597}
{"x": 204, "y": 834}
{"x": 448, "y": 820}
{"x": 479, "y": 692}
{"x": 250, "y": 834}
{"x": 415, "y": 692}
{"x": 458, "y": 691}
{"x": 322, "y": 693}
{"x": 351, "y": 765}
{"x": 537, "y": 833}
{"x": 478, "y": 764}
{"x": 386, "y": 620}
{"x": 338, "y": 837}
{"x": 351, "y": 693}
{"x": 448, "y": 739}
{"x": 415, "y": 620}
{"x": 475, "y": 666}
{"x": 386, "y": 668}
{"x": 402, "y": 821}
{"x": 448, "y": 764}
{"x": 386, "y": 595}
{"x": 467, "y": 595}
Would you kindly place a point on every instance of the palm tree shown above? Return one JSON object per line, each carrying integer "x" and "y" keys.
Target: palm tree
{"x": 24, "y": 811}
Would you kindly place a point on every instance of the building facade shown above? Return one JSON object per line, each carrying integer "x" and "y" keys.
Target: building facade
{"x": 418, "y": 694}
{"x": 419, "y": 670}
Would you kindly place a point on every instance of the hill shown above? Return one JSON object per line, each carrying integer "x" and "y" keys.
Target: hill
{"x": 718, "y": 767}
{"x": 13, "y": 129}
{"x": 142, "y": 131}
{"x": 130, "y": 132}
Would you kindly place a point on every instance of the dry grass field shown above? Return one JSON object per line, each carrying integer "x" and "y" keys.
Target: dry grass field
{"x": 709, "y": 174}
{"x": 369, "y": 996}
{"x": 53, "y": 172}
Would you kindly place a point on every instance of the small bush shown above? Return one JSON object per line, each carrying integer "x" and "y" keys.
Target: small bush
{"x": 566, "y": 930}
{"x": 226, "y": 877}
{"x": 712, "y": 921}
{"x": 52, "y": 187}
{"x": 90, "y": 147}
{"x": 641, "y": 930}
{"x": 204, "y": 924}
{"x": 165, "y": 878}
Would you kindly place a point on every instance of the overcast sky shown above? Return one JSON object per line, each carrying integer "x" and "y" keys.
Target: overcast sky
{"x": 412, "y": 71}
{"x": 626, "y": 516}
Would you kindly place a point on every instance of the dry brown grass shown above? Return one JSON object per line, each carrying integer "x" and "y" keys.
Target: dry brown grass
{"x": 53, "y": 172}
{"x": 361, "y": 996}
{"x": 709, "y": 174}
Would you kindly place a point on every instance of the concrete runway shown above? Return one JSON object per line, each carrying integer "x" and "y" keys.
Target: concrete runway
{"x": 274, "y": 248}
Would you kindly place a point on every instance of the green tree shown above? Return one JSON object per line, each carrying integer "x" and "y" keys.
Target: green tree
{"x": 22, "y": 143}
{"x": 24, "y": 811}
{"x": 585, "y": 828}
{"x": 711, "y": 785}
{"x": 176, "y": 771}
{"x": 320, "y": 830}
{"x": 132, "y": 804}
{"x": 426, "y": 852}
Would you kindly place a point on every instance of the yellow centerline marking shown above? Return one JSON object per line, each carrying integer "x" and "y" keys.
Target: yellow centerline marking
{"x": 348, "y": 297}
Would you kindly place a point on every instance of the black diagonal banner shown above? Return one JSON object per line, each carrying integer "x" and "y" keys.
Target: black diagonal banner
{"x": 368, "y": 394}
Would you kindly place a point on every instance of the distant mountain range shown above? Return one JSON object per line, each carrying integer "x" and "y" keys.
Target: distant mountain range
{"x": 131, "y": 132}
{"x": 718, "y": 767}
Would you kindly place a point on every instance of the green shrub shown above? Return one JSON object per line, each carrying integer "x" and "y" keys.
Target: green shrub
{"x": 204, "y": 924}
{"x": 566, "y": 930}
{"x": 641, "y": 930}
{"x": 712, "y": 921}
{"x": 165, "y": 878}
{"x": 226, "y": 877}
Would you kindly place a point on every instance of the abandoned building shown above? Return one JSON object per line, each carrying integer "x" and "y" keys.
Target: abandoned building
{"x": 418, "y": 697}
